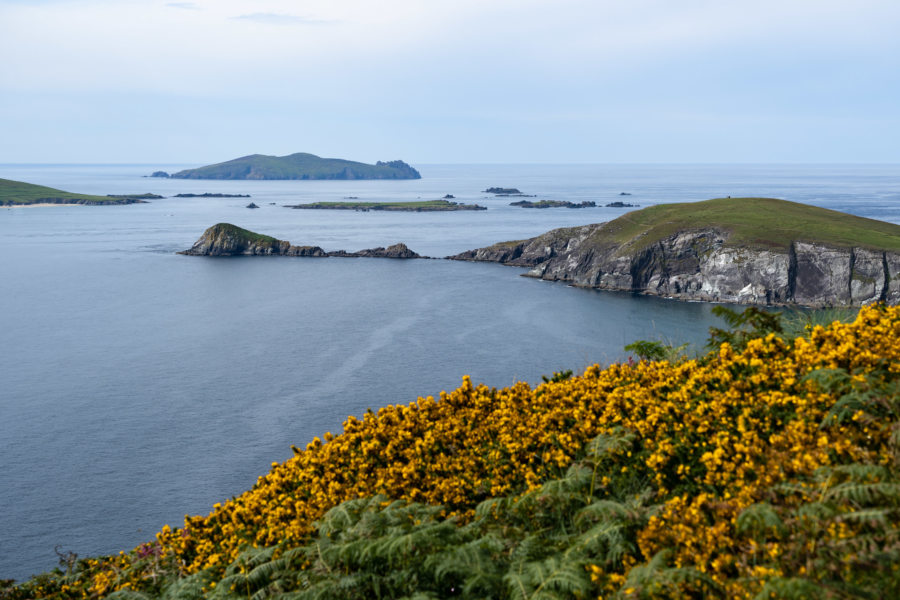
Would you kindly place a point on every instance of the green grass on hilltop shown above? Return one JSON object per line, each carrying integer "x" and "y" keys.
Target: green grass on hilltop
{"x": 240, "y": 232}
{"x": 766, "y": 223}
{"x": 13, "y": 193}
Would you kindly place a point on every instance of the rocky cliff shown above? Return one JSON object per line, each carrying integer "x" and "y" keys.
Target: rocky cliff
{"x": 225, "y": 239}
{"x": 705, "y": 263}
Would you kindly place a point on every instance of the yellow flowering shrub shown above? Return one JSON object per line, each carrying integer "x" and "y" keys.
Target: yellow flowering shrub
{"x": 713, "y": 438}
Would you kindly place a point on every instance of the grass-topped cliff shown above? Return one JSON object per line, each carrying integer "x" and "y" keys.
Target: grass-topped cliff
{"x": 768, "y": 467}
{"x": 19, "y": 193}
{"x": 299, "y": 166}
{"x": 764, "y": 223}
{"x": 744, "y": 250}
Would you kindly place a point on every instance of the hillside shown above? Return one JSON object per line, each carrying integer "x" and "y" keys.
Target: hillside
{"x": 299, "y": 166}
{"x": 768, "y": 467}
{"x": 19, "y": 193}
{"x": 744, "y": 250}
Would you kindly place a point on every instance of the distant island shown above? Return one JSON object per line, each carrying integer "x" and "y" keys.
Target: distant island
{"x": 502, "y": 191}
{"x": 225, "y": 239}
{"x": 742, "y": 250}
{"x": 553, "y": 204}
{"x": 419, "y": 206}
{"x": 618, "y": 204}
{"x": 301, "y": 166}
{"x": 208, "y": 195}
{"x": 19, "y": 193}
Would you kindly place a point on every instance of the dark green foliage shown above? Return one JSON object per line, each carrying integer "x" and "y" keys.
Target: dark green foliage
{"x": 743, "y": 326}
{"x": 557, "y": 376}
{"x": 647, "y": 350}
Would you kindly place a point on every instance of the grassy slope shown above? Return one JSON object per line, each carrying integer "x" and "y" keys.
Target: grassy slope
{"x": 240, "y": 232}
{"x": 752, "y": 222}
{"x": 19, "y": 192}
{"x": 295, "y": 166}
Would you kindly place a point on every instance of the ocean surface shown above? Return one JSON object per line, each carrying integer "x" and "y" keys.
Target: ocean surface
{"x": 137, "y": 386}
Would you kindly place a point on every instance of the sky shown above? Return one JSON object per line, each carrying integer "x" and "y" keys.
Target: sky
{"x": 450, "y": 81}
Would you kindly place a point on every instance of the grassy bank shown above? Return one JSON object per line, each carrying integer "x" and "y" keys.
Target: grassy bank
{"x": 752, "y": 223}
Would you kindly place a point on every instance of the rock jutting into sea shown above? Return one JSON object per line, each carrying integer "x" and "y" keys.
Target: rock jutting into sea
{"x": 553, "y": 204}
{"x": 225, "y": 239}
{"x": 741, "y": 250}
{"x": 208, "y": 195}
{"x": 415, "y": 206}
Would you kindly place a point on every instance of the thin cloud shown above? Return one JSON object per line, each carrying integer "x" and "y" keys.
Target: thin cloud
{"x": 282, "y": 19}
{"x": 183, "y": 5}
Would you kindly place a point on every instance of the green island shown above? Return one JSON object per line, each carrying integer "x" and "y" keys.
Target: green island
{"x": 416, "y": 206}
{"x": 19, "y": 193}
{"x": 301, "y": 165}
{"x": 766, "y": 466}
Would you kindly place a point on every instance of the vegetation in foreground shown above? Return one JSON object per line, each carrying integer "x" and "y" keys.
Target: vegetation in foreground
{"x": 767, "y": 467}
{"x": 416, "y": 206}
{"x": 19, "y": 193}
{"x": 765, "y": 223}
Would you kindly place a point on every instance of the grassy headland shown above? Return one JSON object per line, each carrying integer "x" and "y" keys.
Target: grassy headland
{"x": 768, "y": 467}
{"x": 299, "y": 166}
{"x": 19, "y": 193}
{"x": 762, "y": 223}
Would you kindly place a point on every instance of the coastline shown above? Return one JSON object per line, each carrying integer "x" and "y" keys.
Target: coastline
{"x": 44, "y": 204}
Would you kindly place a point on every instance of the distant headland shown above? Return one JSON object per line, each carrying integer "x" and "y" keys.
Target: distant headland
{"x": 19, "y": 193}
{"x": 302, "y": 166}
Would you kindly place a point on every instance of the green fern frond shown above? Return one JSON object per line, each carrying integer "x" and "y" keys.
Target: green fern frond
{"x": 759, "y": 520}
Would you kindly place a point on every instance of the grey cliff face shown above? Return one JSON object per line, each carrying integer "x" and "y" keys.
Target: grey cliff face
{"x": 699, "y": 265}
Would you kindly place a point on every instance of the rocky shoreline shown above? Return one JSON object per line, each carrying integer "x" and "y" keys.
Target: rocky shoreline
{"x": 225, "y": 239}
{"x": 699, "y": 265}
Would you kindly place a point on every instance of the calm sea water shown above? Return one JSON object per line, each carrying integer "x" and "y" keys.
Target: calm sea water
{"x": 137, "y": 385}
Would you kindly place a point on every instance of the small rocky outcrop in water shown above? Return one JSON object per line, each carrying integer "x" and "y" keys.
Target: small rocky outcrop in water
{"x": 225, "y": 239}
{"x": 252, "y": 205}
{"x": 396, "y": 251}
{"x": 714, "y": 259}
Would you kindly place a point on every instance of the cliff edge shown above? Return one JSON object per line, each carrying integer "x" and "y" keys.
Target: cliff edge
{"x": 741, "y": 250}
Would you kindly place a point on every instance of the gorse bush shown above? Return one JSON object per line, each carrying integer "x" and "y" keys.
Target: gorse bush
{"x": 766, "y": 468}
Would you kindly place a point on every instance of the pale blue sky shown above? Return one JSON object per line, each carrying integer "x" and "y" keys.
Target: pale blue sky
{"x": 451, "y": 81}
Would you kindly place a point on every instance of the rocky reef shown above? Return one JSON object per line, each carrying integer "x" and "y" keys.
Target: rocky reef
{"x": 225, "y": 239}
{"x": 705, "y": 263}
{"x": 554, "y": 204}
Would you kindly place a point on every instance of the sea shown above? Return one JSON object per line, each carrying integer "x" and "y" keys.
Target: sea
{"x": 138, "y": 385}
